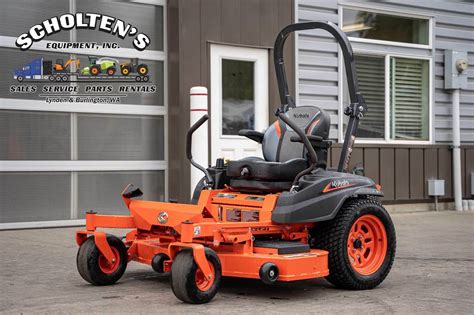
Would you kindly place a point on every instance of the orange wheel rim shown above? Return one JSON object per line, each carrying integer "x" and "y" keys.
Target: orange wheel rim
{"x": 125, "y": 71}
{"x": 201, "y": 282}
{"x": 109, "y": 268}
{"x": 94, "y": 70}
{"x": 367, "y": 244}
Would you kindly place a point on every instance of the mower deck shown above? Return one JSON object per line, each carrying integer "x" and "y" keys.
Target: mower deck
{"x": 233, "y": 223}
{"x": 292, "y": 267}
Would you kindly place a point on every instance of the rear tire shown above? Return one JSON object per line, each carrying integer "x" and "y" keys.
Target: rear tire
{"x": 92, "y": 265}
{"x": 187, "y": 280}
{"x": 358, "y": 263}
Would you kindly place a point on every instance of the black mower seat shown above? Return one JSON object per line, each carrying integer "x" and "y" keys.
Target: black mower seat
{"x": 283, "y": 159}
{"x": 258, "y": 169}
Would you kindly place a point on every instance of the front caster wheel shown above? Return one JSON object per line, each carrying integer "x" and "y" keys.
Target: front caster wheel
{"x": 158, "y": 262}
{"x": 361, "y": 243}
{"x": 187, "y": 280}
{"x": 94, "y": 268}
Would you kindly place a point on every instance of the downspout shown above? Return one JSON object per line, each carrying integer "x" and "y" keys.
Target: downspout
{"x": 457, "y": 152}
{"x": 455, "y": 78}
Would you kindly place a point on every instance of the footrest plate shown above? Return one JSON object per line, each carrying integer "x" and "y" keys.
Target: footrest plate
{"x": 284, "y": 247}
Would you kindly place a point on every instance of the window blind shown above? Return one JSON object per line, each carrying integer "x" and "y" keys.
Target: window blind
{"x": 371, "y": 76}
{"x": 409, "y": 98}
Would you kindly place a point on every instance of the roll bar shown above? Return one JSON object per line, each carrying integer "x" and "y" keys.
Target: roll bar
{"x": 355, "y": 110}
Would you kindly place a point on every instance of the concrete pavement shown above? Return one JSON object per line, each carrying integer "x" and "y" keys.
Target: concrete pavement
{"x": 433, "y": 273}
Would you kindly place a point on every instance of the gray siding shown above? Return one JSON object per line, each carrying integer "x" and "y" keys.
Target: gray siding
{"x": 318, "y": 58}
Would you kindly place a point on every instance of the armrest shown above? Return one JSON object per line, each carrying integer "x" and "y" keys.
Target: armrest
{"x": 316, "y": 141}
{"x": 252, "y": 135}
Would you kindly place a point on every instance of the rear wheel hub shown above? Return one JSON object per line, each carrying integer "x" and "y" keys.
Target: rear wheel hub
{"x": 367, "y": 244}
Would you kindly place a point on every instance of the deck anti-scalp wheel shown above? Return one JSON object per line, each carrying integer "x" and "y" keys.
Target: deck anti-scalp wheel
{"x": 94, "y": 268}
{"x": 269, "y": 273}
{"x": 361, "y": 242}
{"x": 187, "y": 280}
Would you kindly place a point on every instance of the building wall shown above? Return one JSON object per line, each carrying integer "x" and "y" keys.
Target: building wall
{"x": 404, "y": 170}
{"x": 317, "y": 57}
{"x": 192, "y": 26}
{"x": 401, "y": 169}
{"x": 59, "y": 160}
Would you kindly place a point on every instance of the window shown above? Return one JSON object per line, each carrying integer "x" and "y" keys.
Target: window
{"x": 31, "y": 135}
{"x": 238, "y": 104}
{"x": 34, "y": 196}
{"x": 409, "y": 99}
{"x": 404, "y": 105}
{"x": 363, "y": 24}
{"x": 148, "y": 17}
{"x": 371, "y": 75}
{"x": 100, "y": 190}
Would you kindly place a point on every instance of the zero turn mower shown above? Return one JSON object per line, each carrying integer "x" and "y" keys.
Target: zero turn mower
{"x": 282, "y": 218}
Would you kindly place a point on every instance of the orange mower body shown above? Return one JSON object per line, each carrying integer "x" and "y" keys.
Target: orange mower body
{"x": 225, "y": 221}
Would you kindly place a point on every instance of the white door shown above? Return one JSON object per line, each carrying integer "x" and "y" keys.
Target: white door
{"x": 239, "y": 99}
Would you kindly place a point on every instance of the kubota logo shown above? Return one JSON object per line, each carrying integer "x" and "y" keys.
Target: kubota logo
{"x": 301, "y": 115}
{"x": 163, "y": 217}
{"x": 337, "y": 184}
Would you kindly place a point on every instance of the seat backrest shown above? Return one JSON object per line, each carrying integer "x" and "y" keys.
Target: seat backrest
{"x": 276, "y": 144}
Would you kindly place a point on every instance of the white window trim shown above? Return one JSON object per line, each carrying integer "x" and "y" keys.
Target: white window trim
{"x": 75, "y": 166}
{"x": 343, "y": 6}
{"x": 387, "y": 56}
{"x": 118, "y": 109}
{"x": 81, "y": 166}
